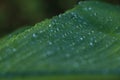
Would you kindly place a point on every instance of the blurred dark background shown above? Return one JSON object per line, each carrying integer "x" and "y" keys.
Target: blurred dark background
{"x": 19, "y": 13}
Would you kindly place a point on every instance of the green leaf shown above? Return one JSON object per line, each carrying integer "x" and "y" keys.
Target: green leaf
{"x": 82, "y": 43}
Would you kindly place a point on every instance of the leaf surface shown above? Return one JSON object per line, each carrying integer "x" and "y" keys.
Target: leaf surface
{"x": 84, "y": 40}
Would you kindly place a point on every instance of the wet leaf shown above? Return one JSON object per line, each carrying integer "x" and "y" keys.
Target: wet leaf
{"x": 82, "y": 41}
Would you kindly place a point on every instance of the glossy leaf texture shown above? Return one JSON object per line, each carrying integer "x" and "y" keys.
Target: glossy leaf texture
{"x": 83, "y": 41}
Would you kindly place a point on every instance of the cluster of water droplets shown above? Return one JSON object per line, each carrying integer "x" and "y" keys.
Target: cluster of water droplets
{"x": 109, "y": 19}
{"x": 81, "y": 36}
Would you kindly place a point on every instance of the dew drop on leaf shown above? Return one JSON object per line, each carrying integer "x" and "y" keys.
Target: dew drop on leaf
{"x": 81, "y": 38}
{"x": 91, "y": 43}
{"x": 40, "y": 31}
{"x": 14, "y": 50}
{"x": 49, "y": 42}
{"x": 116, "y": 27}
{"x": 57, "y": 29}
{"x": 50, "y": 25}
{"x": 95, "y": 14}
{"x": 110, "y": 19}
{"x": 34, "y": 35}
{"x": 89, "y": 8}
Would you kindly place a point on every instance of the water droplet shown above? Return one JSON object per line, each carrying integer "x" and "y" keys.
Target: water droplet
{"x": 79, "y": 2}
{"x": 86, "y": 9}
{"x": 50, "y": 25}
{"x": 110, "y": 19}
{"x": 24, "y": 36}
{"x": 70, "y": 32}
{"x": 64, "y": 35}
{"x": 95, "y": 14}
{"x": 81, "y": 38}
{"x": 40, "y": 31}
{"x": 84, "y": 23}
{"x": 73, "y": 44}
{"x": 95, "y": 40}
{"x": 60, "y": 16}
{"x": 14, "y": 50}
{"x": 91, "y": 44}
{"x": 116, "y": 27}
{"x": 57, "y": 29}
{"x": 51, "y": 30}
{"x": 89, "y": 8}
{"x": 84, "y": 37}
{"x": 92, "y": 31}
{"x": 34, "y": 35}
{"x": 77, "y": 26}
{"x": 89, "y": 33}
{"x": 49, "y": 42}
